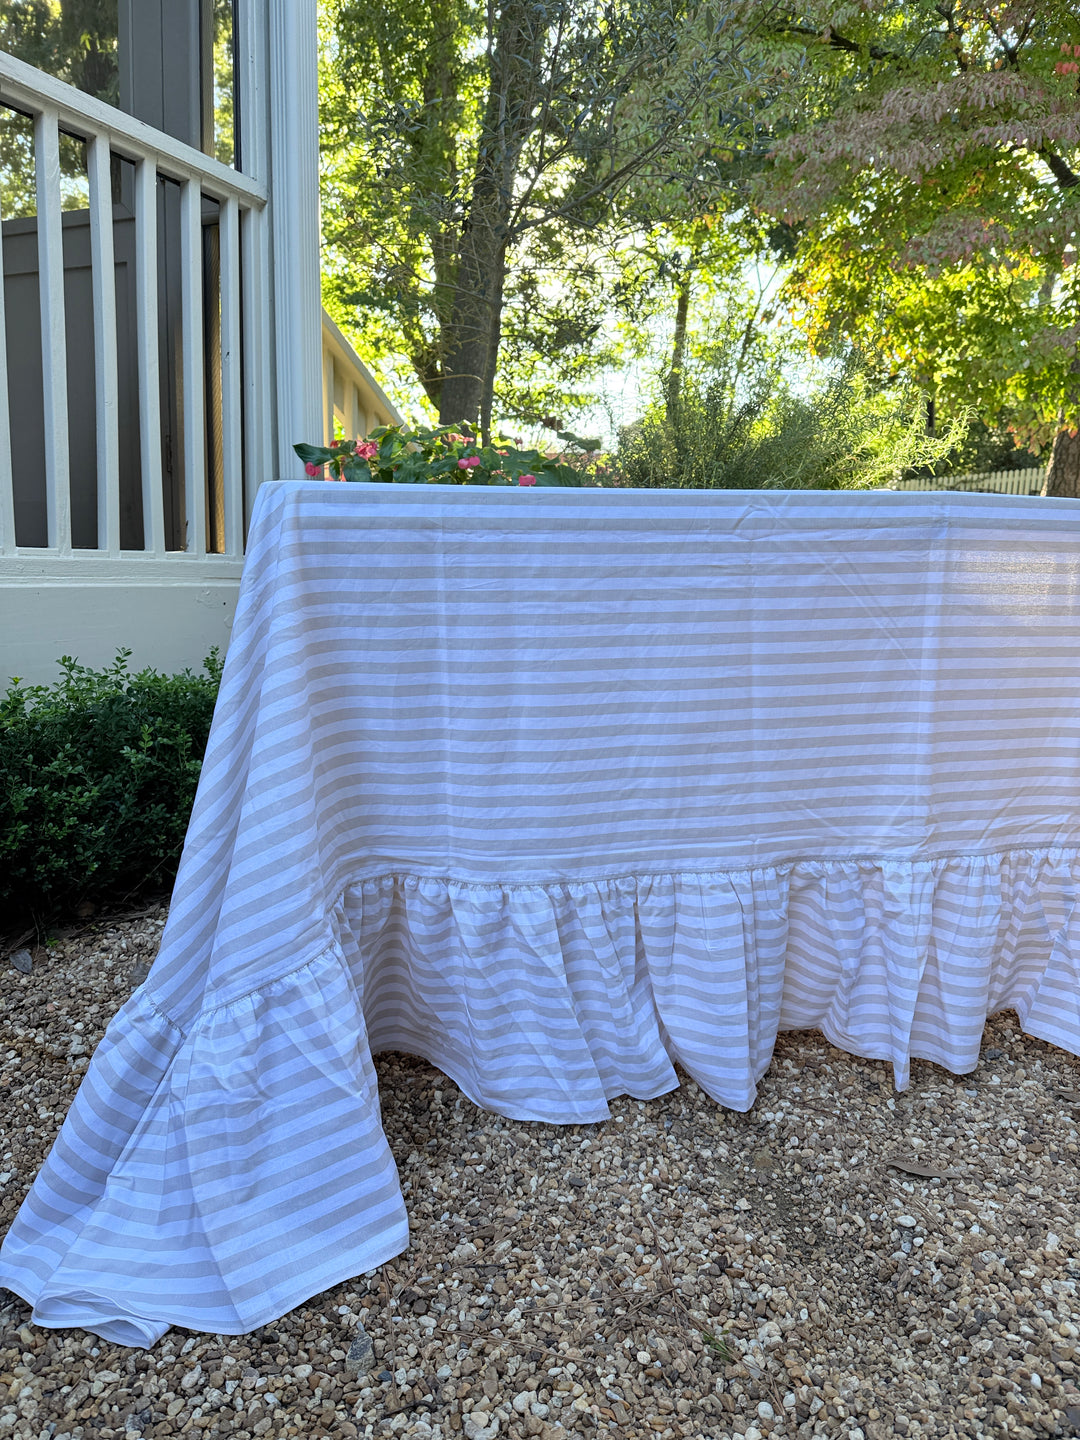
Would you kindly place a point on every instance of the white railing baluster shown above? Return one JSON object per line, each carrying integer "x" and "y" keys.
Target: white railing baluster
{"x": 328, "y": 398}
{"x": 106, "y": 384}
{"x": 7, "y": 478}
{"x": 53, "y": 338}
{"x": 146, "y": 313}
{"x": 232, "y": 452}
{"x": 259, "y": 444}
{"x": 191, "y": 348}
{"x": 355, "y": 426}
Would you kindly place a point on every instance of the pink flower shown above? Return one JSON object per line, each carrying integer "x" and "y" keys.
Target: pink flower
{"x": 473, "y": 461}
{"x": 310, "y": 469}
{"x": 463, "y": 465}
{"x": 367, "y": 450}
{"x": 526, "y": 479}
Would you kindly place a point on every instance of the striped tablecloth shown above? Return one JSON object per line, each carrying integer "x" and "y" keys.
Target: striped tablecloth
{"x": 559, "y": 788}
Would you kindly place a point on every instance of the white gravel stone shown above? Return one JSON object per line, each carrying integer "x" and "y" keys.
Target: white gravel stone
{"x": 481, "y": 1426}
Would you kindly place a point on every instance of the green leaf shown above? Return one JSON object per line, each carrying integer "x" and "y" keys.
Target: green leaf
{"x": 412, "y": 469}
{"x": 572, "y": 439}
{"x": 314, "y": 454}
{"x": 447, "y": 465}
{"x": 559, "y": 475}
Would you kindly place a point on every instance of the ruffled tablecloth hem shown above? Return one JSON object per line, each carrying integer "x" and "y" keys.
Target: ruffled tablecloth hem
{"x": 105, "y": 1315}
{"x": 544, "y": 1001}
{"x": 213, "y": 1177}
{"x": 214, "y": 1174}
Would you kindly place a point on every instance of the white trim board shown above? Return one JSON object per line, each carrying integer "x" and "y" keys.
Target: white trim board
{"x": 168, "y": 621}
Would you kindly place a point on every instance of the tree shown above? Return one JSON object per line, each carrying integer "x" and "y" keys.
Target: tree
{"x": 486, "y": 185}
{"x": 929, "y": 192}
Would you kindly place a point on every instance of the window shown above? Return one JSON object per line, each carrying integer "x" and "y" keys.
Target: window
{"x": 168, "y": 62}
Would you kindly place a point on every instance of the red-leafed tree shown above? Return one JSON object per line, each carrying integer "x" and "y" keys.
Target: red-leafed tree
{"x": 929, "y": 188}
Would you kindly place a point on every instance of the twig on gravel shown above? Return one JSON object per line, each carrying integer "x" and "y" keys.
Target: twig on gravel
{"x": 12, "y": 943}
{"x": 665, "y": 1265}
{"x": 96, "y": 921}
{"x": 387, "y": 1280}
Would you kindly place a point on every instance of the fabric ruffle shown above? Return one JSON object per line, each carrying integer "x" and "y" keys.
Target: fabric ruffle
{"x": 544, "y": 1001}
{"x": 214, "y": 1179}
{"x": 188, "y": 1155}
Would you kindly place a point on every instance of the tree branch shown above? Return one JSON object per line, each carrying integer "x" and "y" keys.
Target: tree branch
{"x": 1061, "y": 170}
{"x": 836, "y": 41}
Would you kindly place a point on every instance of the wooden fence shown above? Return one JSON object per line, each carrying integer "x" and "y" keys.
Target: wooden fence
{"x": 999, "y": 482}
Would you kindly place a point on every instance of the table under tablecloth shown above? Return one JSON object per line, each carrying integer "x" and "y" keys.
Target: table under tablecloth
{"x": 559, "y": 789}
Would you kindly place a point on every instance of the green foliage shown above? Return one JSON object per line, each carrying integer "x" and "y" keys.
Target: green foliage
{"x": 224, "y": 83}
{"x": 930, "y": 187}
{"x": 980, "y": 450}
{"x": 755, "y": 433}
{"x": 477, "y": 199}
{"x": 99, "y": 772}
{"x": 398, "y": 147}
{"x": 441, "y": 456}
{"x": 719, "y": 1346}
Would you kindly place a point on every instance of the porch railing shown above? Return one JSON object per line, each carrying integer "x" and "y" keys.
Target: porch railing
{"x": 352, "y": 397}
{"x": 204, "y": 523}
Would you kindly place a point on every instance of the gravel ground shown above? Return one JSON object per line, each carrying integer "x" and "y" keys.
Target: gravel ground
{"x": 843, "y": 1261}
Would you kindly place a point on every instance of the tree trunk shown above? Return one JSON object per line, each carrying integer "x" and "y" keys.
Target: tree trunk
{"x": 487, "y": 397}
{"x": 473, "y": 329}
{"x": 1063, "y": 476}
{"x": 678, "y": 348}
{"x": 517, "y": 29}
{"x": 468, "y": 353}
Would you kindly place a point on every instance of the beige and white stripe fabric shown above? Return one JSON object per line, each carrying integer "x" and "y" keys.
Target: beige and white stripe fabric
{"x": 560, "y": 789}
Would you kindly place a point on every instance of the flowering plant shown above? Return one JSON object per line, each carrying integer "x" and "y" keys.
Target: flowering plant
{"x": 442, "y": 456}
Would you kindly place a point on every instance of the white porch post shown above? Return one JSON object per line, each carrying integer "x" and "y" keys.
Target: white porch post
{"x": 294, "y": 227}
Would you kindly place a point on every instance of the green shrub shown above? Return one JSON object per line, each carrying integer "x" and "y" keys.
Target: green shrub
{"x": 97, "y": 778}
{"x": 725, "y": 433}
